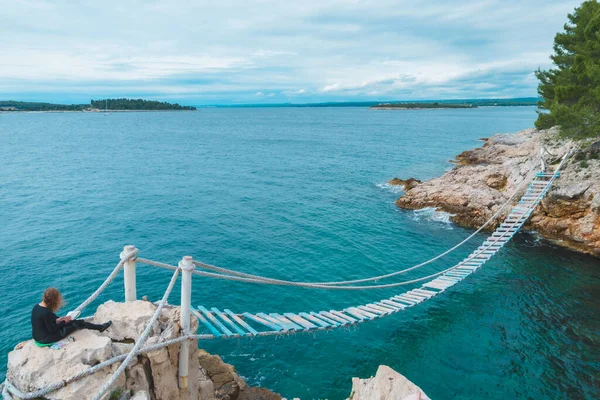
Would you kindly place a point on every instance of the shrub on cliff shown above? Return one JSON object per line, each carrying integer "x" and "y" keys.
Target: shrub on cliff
{"x": 571, "y": 91}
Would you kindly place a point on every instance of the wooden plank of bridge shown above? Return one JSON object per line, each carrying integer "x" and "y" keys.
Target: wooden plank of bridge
{"x": 297, "y": 319}
{"x": 343, "y": 316}
{"x": 416, "y": 293}
{"x": 291, "y": 324}
{"x": 368, "y": 314}
{"x": 268, "y": 324}
{"x": 398, "y": 299}
{"x": 358, "y": 314}
{"x": 376, "y": 311}
{"x": 229, "y": 322}
{"x": 384, "y": 306}
{"x": 241, "y": 322}
{"x": 334, "y": 317}
{"x": 326, "y": 319}
{"x": 394, "y": 304}
{"x": 209, "y": 315}
{"x": 316, "y": 320}
{"x": 266, "y": 317}
{"x": 210, "y": 327}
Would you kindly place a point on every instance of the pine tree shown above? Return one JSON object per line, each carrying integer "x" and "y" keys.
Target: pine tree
{"x": 571, "y": 92}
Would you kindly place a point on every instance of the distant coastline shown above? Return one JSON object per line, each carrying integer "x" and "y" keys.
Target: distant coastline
{"x": 112, "y": 105}
{"x": 419, "y": 106}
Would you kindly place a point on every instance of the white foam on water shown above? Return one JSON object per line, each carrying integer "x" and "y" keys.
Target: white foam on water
{"x": 431, "y": 214}
{"x": 397, "y": 189}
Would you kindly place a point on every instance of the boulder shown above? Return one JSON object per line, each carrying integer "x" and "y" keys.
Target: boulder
{"x": 387, "y": 384}
{"x": 31, "y": 368}
{"x": 149, "y": 376}
{"x": 141, "y": 395}
{"x": 496, "y": 181}
{"x": 129, "y": 319}
{"x": 408, "y": 184}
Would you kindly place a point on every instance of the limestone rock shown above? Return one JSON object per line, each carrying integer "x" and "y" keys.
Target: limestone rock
{"x": 386, "y": 385}
{"x": 141, "y": 395}
{"x": 496, "y": 181}
{"x": 258, "y": 394}
{"x": 408, "y": 184}
{"x": 32, "y": 367}
{"x": 486, "y": 177}
{"x": 129, "y": 319}
{"x": 152, "y": 376}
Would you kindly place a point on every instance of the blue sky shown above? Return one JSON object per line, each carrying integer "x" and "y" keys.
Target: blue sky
{"x": 231, "y": 52}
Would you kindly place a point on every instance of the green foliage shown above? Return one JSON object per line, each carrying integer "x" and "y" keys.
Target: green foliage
{"x": 570, "y": 92}
{"x": 137, "y": 104}
{"x": 583, "y": 164}
{"x": 116, "y": 394}
{"x": 35, "y": 106}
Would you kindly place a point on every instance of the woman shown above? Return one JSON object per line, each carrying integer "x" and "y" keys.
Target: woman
{"x": 48, "y": 328}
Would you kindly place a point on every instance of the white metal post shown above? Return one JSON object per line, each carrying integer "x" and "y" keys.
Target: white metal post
{"x": 129, "y": 274}
{"x": 187, "y": 267}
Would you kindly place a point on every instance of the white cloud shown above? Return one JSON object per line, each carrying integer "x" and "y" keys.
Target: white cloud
{"x": 337, "y": 49}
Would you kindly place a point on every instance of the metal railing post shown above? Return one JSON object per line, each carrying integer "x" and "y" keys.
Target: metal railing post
{"x": 129, "y": 274}
{"x": 186, "y": 267}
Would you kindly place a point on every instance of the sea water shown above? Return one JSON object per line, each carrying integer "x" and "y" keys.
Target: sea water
{"x": 294, "y": 193}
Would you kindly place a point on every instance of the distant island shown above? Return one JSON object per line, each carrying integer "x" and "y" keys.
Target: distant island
{"x": 473, "y": 103}
{"x": 508, "y": 102}
{"x": 95, "y": 105}
{"x": 418, "y": 106}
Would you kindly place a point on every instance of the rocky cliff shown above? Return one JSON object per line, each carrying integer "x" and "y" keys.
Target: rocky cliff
{"x": 484, "y": 178}
{"x": 387, "y": 384}
{"x": 150, "y": 376}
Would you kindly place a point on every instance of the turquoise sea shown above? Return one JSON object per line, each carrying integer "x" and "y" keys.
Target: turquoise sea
{"x": 294, "y": 193}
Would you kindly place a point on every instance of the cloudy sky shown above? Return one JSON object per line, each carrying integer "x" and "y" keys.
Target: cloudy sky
{"x": 267, "y": 51}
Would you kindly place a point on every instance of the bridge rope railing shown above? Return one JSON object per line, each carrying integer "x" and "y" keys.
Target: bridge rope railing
{"x": 126, "y": 257}
{"x": 7, "y": 388}
{"x": 225, "y": 271}
{"x": 249, "y": 278}
{"x": 228, "y": 274}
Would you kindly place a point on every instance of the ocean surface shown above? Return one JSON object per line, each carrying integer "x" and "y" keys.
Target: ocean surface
{"x": 296, "y": 193}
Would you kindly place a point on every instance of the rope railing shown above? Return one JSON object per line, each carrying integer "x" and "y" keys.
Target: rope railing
{"x": 75, "y": 313}
{"x": 228, "y": 274}
{"x": 380, "y": 277}
{"x": 242, "y": 277}
{"x": 142, "y": 338}
{"x": 269, "y": 281}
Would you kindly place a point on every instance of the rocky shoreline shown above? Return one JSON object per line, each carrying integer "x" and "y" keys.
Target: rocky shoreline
{"x": 484, "y": 178}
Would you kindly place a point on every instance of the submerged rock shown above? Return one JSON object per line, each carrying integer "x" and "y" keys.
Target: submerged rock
{"x": 152, "y": 376}
{"x": 387, "y": 384}
{"x": 486, "y": 177}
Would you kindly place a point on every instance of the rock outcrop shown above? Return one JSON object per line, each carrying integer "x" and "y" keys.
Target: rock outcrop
{"x": 387, "y": 384}
{"x": 152, "y": 376}
{"x": 406, "y": 183}
{"x": 484, "y": 178}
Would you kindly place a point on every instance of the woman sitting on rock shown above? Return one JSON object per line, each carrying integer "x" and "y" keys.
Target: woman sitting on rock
{"x": 47, "y": 328}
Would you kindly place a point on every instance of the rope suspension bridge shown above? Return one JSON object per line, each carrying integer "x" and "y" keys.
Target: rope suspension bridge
{"x": 223, "y": 324}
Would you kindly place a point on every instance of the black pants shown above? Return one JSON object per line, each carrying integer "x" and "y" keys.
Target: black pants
{"x": 69, "y": 328}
